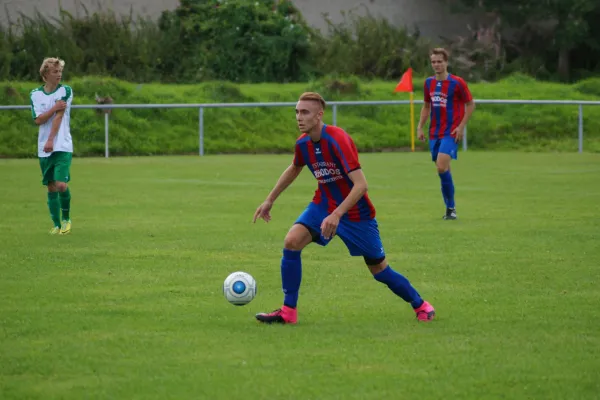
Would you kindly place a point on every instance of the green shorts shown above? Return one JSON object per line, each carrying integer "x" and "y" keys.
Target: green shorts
{"x": 56, "y": 167}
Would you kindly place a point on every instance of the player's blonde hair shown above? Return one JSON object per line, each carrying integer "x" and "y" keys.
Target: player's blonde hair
{"x": 48, "y": 63}
{"x": 440, "y": 51}
{"x": 313, "y": 96}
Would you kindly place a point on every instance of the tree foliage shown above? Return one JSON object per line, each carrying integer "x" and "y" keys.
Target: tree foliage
{"x": 561, "y": 25}
{"x": 269, "y": 41}
{"x": 248, "y": 41}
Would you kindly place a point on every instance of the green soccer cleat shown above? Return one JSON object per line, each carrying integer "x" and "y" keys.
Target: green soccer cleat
{"x": 55, "y": 231}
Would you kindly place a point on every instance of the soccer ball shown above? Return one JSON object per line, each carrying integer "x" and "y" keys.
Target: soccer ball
{"x": 239, "y": 288}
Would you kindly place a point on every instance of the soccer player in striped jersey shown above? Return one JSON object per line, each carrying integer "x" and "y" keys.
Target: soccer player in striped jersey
{"x": 449, "y": 104}
{"x": 340, "y": 206}
{"x": 51, "y": 111}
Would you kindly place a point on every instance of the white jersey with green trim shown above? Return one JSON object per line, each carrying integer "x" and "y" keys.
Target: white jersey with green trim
{"x": 42, "y": 102}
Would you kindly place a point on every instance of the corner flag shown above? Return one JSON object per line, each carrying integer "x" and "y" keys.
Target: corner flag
{"x": 406, "y": 85}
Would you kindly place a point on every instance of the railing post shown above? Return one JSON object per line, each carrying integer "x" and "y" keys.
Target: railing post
{"x": 334, "y": 115}
{"x": 201, "y": 130}
{"x": 580, "y": 128}
{"x": 106, "y": 134}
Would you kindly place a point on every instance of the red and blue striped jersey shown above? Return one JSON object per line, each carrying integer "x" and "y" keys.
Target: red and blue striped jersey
{"x": 330, "y": 160}
{"x": 447, "y": 99}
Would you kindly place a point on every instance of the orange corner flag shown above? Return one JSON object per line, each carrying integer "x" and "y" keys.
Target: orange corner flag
{"x": 405, "y": 84}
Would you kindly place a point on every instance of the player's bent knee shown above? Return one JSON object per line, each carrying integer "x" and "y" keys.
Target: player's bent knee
{"x": 376, "y": 265}
{"x": 297, "y": 238}
{"x": 443, "y": 163}
{"x": 51, "y": 187}
{"x": 60, "y": 186}
{"x": 294, "y": 242}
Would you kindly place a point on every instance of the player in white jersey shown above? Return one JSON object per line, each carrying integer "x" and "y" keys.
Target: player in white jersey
{"x": 51, "y": 110}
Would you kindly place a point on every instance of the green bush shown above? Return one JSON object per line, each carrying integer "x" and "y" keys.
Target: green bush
{"x": 261, "y": 41}
{"x": 589, "y": 87}
{"x": 370, "y": 47}
{"x": 205, "y": 40}
{"x": 336, "y": 87}
{"x": 96, "y": 44}
{"x": 237, "y": 40}
{"x": 273, "y": 129}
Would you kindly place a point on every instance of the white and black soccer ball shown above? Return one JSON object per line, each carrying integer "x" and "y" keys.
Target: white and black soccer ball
{"x": 239, "y": 288}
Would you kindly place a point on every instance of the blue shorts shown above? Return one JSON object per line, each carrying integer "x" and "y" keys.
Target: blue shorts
{"x": 360, "y": 237}
{"x": 445, "y": 145}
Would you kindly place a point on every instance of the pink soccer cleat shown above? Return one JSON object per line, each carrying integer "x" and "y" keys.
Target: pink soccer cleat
{"x": 426, "y": 312}
{"x": 283, "y": 315}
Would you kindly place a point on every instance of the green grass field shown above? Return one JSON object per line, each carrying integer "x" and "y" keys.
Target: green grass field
{"x": 130, "y": 305}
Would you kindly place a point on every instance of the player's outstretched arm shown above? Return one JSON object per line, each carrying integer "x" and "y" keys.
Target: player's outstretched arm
{"x": 287, "y": 177}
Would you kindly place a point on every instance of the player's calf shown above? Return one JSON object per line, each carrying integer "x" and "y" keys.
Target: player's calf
{"x": 402, "y": 287}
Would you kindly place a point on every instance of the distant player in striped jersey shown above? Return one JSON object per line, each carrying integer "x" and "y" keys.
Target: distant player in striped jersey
{"x": 339, "y": 207}
{"x": 51, "y": 110}
{"x": 448, "y": 104}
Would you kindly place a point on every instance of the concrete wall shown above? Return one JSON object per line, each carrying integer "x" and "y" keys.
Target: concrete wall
{"x": 51, "y": 7}
{"x": 428, "y": 15}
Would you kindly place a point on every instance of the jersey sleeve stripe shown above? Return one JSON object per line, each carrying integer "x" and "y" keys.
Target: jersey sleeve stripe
{"x": 32, "y": 108}
{"x": 34, "y": 113}
{"x": 68, "y": 93}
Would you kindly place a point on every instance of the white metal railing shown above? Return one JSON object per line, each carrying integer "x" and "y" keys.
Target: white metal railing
{"x": 333, "y": 104}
